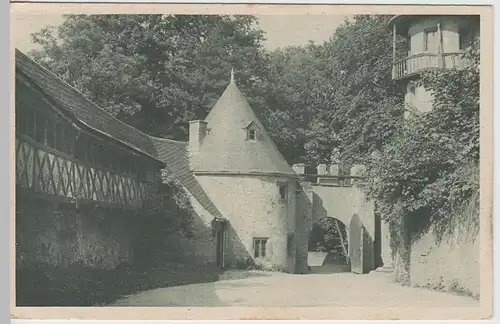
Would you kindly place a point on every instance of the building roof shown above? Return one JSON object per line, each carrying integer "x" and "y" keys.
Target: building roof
{"x": 402, "y": 22}
{"x": 225, "y": 148}
{"x": 82, "y": 109}
{"x": 175, "y": 155}
{"x": 171, "y": 153}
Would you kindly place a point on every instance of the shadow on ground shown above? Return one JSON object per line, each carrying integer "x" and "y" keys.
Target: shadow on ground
{"x": 79, "y": 286}
{"x": 327, "y": 263}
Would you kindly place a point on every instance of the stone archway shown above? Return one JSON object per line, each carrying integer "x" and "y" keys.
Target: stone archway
{"x": 328, "y": 246}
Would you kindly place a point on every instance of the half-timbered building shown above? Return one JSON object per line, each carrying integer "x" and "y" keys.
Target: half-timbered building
{"x": 82, "y": 177}
{"x": 71, "y": 154}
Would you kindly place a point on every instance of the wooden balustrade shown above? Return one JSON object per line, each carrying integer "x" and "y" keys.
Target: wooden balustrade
{"x": 43, "y": 170}
{"x": 417, "y": 63}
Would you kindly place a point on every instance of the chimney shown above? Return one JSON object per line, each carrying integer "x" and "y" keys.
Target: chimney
{"x": 334, "y": 170}
{"x": 321, "y": 169}
{"x": 197, "y": 132}
{"x": 299, "y": 168}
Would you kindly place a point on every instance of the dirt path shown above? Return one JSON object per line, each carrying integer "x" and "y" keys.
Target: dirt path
{"x": 341, "y": 289}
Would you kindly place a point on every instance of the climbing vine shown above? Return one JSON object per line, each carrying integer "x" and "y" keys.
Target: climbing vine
{"x": 427, "y": 177}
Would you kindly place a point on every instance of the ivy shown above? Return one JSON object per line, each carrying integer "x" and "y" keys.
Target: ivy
{"x": 428, "y": 173}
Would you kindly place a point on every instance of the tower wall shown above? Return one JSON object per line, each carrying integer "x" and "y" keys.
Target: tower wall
{"x": 448, "y": 38}
{"x": 418, "y": 98}
{"x": 450, "y": 27}
{"x": 254, "y": 208}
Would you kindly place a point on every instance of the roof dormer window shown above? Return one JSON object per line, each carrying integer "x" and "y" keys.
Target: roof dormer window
{"x": 251, "y": 130}
{"x": 252, "y": 134}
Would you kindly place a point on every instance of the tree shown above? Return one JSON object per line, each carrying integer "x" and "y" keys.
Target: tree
{"x": 360, "y": 109}
{"x": 292, "y": 93}
{"x": 155, "y": 72}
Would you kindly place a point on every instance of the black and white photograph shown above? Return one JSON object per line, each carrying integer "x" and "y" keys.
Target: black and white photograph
{"x": 261, "y": 159}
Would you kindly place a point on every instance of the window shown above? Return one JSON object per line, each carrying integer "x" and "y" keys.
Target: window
{"x": 259, "y": 247}
{"x": 59, "y": 140}
{"x": 50, "y": 133}
{"x": 252, "y": 134}
{"x": 30, "y": 123}
{"x": 430, "y": 40}
{"x": 283, "y": 191}
{"x": 41, "y": 126}
{"x": 289, "y": 245}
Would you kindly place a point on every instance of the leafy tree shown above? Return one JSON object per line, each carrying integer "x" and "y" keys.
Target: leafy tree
{"x": 329, "y": 235}
{"x": 360, "y": 108}
{"x": 292, "y": 87}
{"x": 155, "y": 72}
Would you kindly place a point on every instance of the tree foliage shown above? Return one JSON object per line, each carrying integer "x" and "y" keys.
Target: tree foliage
{"x": 429, "y": 171}
{"x": 155, "y": 72}
{"x": 329, "y": 235}
{"x": 334, "y": 102}
{"x": 360, "y": 108}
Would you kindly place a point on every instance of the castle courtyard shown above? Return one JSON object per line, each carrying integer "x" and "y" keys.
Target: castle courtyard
{"x": 285, "y": 290}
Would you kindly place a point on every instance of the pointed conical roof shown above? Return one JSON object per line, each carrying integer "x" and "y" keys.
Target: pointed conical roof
{"x": 226, "y": 148}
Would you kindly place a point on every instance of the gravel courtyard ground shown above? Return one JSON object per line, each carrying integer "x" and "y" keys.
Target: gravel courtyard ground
{"x": 276, "y": 289}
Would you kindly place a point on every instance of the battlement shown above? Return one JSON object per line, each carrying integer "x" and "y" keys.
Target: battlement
{"x": 330, "y": 175}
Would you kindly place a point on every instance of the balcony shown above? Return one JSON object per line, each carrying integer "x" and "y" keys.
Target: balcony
{"x": 415, "y": 64}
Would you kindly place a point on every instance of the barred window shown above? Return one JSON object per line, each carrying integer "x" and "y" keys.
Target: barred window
{"x": 259, "y": 247}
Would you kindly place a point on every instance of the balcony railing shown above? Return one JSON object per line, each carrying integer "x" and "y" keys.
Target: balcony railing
{"x": 415, "y": 64}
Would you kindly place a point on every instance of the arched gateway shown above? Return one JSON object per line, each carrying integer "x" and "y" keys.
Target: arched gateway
{"x": 340, "y": 200}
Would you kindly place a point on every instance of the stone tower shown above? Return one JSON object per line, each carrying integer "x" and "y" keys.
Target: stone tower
{"x": 430, "y": 42}
{"x": 247, "y": 178}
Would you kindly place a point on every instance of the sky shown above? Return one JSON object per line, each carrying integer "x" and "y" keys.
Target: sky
{"x": 281, "y": 31}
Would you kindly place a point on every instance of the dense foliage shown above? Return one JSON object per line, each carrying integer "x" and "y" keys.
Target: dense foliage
{"x": 428, "y": 174}
{"x": 155, "y": 72}
{"x": 329, "y": 235}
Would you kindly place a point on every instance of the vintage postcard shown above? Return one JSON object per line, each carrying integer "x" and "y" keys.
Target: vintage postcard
{"x": 256, "y": 161}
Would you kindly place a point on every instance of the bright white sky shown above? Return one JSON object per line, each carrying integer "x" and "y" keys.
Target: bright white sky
{"x": 284, "y": 30}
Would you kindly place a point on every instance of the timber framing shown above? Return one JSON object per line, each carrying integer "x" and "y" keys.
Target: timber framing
{"x": 61, "y": 158}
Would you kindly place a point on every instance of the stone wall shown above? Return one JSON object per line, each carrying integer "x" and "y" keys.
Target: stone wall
{"x": 62, "y": 235}
{"x": 201, "y": 247}
{"x": 303, "y": 223}
{"x": 342, "y": 203}
{"x": 450, "y": 265}
{"x": 254, "y": 209}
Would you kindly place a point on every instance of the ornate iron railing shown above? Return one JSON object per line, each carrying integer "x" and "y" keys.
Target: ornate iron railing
{"x": 417, "y": 63}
